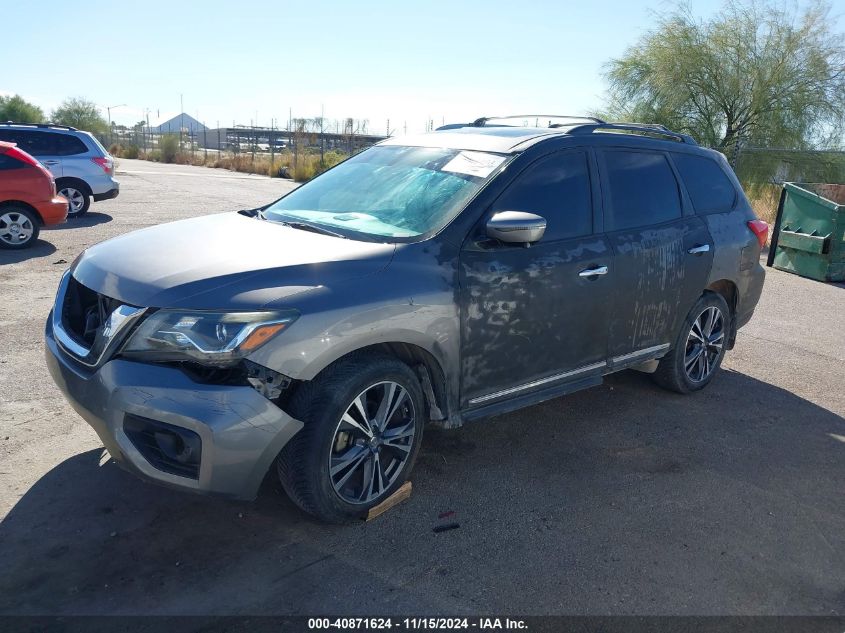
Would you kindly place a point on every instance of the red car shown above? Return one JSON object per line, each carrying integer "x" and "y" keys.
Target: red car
{"x": 28, "y": 198}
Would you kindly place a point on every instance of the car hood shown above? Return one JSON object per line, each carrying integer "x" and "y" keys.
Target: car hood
{"x": 225, "y": 261}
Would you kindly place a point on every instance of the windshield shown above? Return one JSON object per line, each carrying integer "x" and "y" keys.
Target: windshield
{"x": 394, "y": 192}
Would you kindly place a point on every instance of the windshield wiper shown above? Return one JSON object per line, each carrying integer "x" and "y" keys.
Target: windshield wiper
{"x": 304, "y": 226}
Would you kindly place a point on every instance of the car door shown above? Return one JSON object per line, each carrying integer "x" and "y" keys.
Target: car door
{"x": 38, "y": 144}
{"x": 534, "y": 317}
{"x": 46, "y": 147}
{"x": 662, "y": 252}
{"x": 74, "y": 156}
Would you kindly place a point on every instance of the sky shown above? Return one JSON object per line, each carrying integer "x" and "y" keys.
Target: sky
{"x": 250, "y": 61}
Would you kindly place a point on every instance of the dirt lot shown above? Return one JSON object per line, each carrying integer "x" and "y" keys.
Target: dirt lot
{"x": 617, "y": 500}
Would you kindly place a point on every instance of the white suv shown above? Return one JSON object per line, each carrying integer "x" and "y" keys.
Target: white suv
{"x": 83, "y": 169}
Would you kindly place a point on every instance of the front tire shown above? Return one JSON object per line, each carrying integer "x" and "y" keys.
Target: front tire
{"x": 19, "y": 227}
{"x": 699, "y": 348}
{"x": 363, "y": 424}
{"x": 79, "y": 200}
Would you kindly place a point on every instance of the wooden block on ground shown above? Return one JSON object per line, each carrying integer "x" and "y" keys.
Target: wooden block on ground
{"x": 402, "y": 493}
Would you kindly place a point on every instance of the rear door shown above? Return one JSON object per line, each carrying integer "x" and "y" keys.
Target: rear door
{"x": 662, "y": 251}
{"x": 531, "y": 318}
{"x": 74, "y": 155}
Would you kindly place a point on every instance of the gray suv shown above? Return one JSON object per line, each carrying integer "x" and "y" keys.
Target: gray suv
{"x": 439, "y": 278}
{"x": 83, "y": 169}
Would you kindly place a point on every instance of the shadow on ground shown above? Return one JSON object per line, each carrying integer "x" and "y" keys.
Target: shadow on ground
{"x": 92, "y": 218}
{"x": 39, "y": 249}
{"x": 620, "y": 499}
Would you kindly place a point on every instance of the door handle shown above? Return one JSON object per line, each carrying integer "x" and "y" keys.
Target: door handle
{"x": 593, "y": 272}
{"x": 699, "y": 249}
{"x": 50, "y": 162}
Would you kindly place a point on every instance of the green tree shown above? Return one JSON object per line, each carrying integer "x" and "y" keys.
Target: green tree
{"x": 753, "y": 72}
{"x": 20, "y": 111}
{"x": 81, "y": 114}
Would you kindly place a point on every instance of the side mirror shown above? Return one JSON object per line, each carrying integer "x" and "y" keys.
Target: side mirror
{"x": 516, "y": 227}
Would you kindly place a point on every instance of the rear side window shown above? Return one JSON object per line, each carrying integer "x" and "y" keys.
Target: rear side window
{"x": 709, "y": 187}
{"x": 7, "y": 163}
{"x": 643, "y": 189}
{"x": 557, "y": 188}
{"x": 67, "y": 145}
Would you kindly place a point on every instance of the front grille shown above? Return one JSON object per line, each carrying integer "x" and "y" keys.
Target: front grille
{"x": 171, "y": 449}
{"x": 84, "y": 311}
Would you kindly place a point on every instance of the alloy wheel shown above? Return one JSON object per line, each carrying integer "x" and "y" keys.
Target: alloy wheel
{"x": 372, "y": 443}
{"x": 75, "y": 198}
{"x": 15, "y": 228}
{"x": 705, "y": 343}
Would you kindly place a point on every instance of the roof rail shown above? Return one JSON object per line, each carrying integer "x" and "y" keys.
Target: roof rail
{"x": 481, "y": 122}
{"x": 41, "y": 125}
{"x": 646, "y": 129}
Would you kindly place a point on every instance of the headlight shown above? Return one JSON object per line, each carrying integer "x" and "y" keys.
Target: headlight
{"x": 219, "y": 338}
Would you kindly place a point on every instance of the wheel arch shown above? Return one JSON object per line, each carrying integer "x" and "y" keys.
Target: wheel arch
{"x": 424, "y": 363}
{"x": 26, "y": 205}
{"x": 729, "y": 292}
{"x": 72, "y": 180}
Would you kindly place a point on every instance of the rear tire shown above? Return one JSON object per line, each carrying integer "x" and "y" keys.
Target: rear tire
{"x": 342, "y": 462}
{"x": 19, "y": 227}
{"x": 79, "y": 198}
{"x": 699, "y": 347}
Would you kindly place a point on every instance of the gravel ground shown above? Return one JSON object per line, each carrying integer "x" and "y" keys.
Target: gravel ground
{"x": 623, "y": 499}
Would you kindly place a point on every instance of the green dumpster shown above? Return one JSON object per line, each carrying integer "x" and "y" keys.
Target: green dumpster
{"x": 809, "y": 233}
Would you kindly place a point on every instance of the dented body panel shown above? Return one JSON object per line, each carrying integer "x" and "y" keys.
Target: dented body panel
{"x": 241, "y": 431}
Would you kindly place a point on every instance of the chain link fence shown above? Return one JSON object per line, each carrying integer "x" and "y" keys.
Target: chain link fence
{"x": 300, "y": 151}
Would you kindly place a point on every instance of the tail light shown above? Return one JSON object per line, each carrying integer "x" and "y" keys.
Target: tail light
{"x": 760, "y": 230}
{"x": 22, "y": 156}
{"x": 105, "y": 163}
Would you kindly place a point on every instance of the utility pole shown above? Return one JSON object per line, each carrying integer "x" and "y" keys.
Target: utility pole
{"x": 181, "y": 119}
{"x": 322, "y": 136}
{"x": 272, "y": 147}
{"x": 109, "y": 109}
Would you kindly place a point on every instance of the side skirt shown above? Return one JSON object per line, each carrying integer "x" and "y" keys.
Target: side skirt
{"x": 528, "y": 399}
{"x": 552, "y": 387}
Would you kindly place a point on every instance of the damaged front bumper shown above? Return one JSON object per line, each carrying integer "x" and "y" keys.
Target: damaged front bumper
{"x": 160, "y": 424}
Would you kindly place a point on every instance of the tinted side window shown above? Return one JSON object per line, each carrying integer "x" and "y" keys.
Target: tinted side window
{"x": 7, "y": 162}
{"x": 35, "y": 143}
{"x": 10, "y": 136}
{"x": 67, "y": 145}
{"x": 643, "y": 189}
{"x": 556, "y": 187}
{"x": 710, "y": 189}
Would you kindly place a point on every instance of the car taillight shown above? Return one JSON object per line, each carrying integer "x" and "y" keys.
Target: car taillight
{"x": 104, "y": 163}
{"x": 760, "y": 229}
{"x": 22, "y": 156}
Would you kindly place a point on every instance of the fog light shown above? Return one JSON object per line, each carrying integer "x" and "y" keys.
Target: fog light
{"x": 169, "y": 448}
